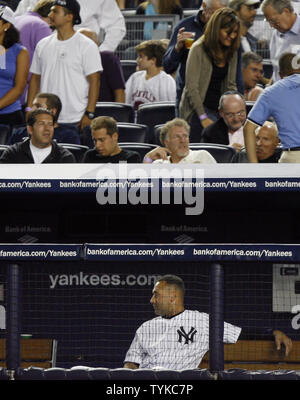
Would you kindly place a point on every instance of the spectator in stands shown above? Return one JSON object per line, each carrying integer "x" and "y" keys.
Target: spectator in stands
{"x": 246, "y": 11}
{"x": 267, "y": 149}
{"x": 210, "y": 71}
{"x": 228, "y": 129}
{"x": 174, "y": 135}
{"x": 95, "y": 15}
{"x": 252, "y": 69}
{"x": 68, "y": 64}
{"x": 39, "y": 148}
{"x": 178, "y": 338}
{"x": 286, "y": 36}
{"x": 154, "y": 7}
{"x": 107, "y": 150}
{"x": 62, "y": 133}
{"x": 34, "y": 26}
{"x": 281, "y": 101}
{"x": 14, "y": 67}
{"x": 112, "y": 82}
{"x": 175, "y": 57}
{"x": 150, "y": 83}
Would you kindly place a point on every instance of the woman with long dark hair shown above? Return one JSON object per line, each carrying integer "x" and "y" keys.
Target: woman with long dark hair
{"x": 210, "y": 71}
{"x": 14, "y": 68}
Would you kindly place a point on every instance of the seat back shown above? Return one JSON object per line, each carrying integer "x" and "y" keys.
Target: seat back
{"x": 222, "y": 153}
{"x": 121, "y": 112}
{"x": 141, "y": 148}
{"x": 156, "y": 113}
{"x": 131, "y": 132}
{"x": 5, "y": 131}
{"x": 128, "y": 67}
{"x": 78, "y": 150}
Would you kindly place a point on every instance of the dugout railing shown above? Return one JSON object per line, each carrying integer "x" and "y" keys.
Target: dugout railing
{"x": 26, "y": 270}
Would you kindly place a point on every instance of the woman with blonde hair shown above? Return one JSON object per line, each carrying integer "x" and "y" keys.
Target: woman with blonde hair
{"x": 210, "y": 71}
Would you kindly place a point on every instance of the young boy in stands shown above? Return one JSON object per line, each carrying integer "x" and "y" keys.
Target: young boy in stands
{"x": 150, "y": 83}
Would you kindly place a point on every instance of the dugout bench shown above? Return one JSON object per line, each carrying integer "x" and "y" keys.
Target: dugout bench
{"x": 257, "y": 355}
{"x": 34, "y": 352}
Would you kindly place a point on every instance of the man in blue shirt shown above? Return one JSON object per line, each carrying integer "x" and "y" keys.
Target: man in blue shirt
{"x": 280, "y": 101}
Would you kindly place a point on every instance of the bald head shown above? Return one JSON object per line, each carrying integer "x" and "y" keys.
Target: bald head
{"x": 90, "y": 34}
{"x": 232, "y": 108}
{"x": 266, "y": 140}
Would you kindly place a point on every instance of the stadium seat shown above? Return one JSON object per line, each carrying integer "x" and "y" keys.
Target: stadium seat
{"x": 77, "y": 150}
{"x": 221, "y": 152}
{"x": 141, "y": 148}
{"x": 57, "y": 374}
{"x": 130, "y": 132}
{"x": 119, "y": 111}
{"x": 156, "y": 134}
{"x": 249, "y": 105}
{"x": 5, "y": 131}
{"x": 144, "y": 374}
{"x": 156, "y": 113}
{"x": 3, "y": 374}
{"x": 79, "y": 373}
{"x": 268, "y": 68}
{"x": 128, "y": 67}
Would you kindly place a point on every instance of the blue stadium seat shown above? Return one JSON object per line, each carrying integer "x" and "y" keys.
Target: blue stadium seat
{"x": 128, "y": 67}
{"x": 5, "y": 131}
{"x": 221, "y": 152}
{"x": 141, "y": 148}
{"x": 144, "y": 374}
{"x": 156, "y": 113}
{"x": 77, "y": 150}
{"x": 121, "y": 112}
{"x": 130, "y": 132}
{"x": 57, "y": 374}
{"x": 79, "y": 373}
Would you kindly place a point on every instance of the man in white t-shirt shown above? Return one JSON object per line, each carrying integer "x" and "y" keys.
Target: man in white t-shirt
{"x": 150, "y": 83}
{"x": 95, "y": 15}
{"x": 178, "y": 338}
{"x": 175, "y": 136}
{"x": 67, "y": 64}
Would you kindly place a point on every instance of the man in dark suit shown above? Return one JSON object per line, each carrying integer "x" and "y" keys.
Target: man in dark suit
{"x": 228, "y": 129}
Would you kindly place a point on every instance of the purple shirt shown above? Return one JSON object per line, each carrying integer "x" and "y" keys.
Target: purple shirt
{"x": 32, "y": 29}
{"x": 112, "y": 76}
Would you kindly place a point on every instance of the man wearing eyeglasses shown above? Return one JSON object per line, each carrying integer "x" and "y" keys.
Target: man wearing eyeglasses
{"x": 286, "y": 36}
{"x": 228, "y": 129}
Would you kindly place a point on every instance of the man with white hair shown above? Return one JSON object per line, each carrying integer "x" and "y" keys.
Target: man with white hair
{"x": 175, "y": 136}
{"x": 286, "y": 35}
{"x": 95, "y": 15}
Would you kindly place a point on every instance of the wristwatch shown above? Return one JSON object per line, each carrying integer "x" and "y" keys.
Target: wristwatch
{"x": 90, "y": 114}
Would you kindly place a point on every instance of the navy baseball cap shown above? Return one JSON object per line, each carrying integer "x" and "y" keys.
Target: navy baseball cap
{"x": 71, "y": 5}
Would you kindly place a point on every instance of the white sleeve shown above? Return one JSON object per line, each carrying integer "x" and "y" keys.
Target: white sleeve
{"x": 24, "y": 6}
{"x": 135, "y": 351}
{"x": 171, "y": 89}
{"x": 128, "y": 90}
{"x": 35, "y": 67}
{"x": 92, "y": 60}
{"x": 231, "y": 333}
{"x": 112, "y": 21}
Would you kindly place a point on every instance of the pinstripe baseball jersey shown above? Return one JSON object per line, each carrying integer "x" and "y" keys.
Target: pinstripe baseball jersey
{"x": 176, "y": 343}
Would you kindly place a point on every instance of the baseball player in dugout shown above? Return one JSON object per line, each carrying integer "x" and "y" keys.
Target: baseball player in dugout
{"x": 178, "y": 338}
